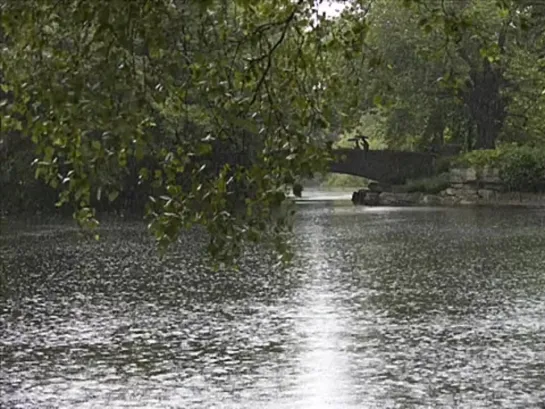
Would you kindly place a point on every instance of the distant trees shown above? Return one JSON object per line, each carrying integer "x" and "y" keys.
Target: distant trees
{"x": 467, "y": 72}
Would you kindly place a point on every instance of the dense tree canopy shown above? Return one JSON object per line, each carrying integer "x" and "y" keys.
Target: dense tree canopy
{"x": 208, "y": 110}
{"x": 465, "y": 72}
{"x": 220, "y": 97}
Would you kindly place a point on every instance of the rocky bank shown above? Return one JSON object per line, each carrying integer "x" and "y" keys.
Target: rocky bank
{"x": 470, "y": 187}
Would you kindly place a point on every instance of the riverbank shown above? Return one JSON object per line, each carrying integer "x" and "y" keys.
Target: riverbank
{"x": 465, "y": 187}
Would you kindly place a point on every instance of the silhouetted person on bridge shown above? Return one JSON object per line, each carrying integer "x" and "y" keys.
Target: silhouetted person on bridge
{"x": 364, "y": 142}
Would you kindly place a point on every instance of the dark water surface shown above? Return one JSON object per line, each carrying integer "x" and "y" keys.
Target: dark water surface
{"x": 384, "y": 308}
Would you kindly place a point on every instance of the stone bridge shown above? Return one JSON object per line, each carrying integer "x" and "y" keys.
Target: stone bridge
{"x": 385, "y": 166}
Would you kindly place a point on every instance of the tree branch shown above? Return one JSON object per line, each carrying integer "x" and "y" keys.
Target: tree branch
{"x": 277, "y": 44}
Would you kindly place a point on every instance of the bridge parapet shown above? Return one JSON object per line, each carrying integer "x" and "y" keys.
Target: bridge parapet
{"x": 385, "y": 166}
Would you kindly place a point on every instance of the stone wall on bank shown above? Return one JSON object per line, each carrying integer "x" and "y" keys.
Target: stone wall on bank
{"x": 467, "y": 187}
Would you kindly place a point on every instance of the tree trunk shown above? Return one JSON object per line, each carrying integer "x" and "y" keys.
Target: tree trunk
{"x": 487, "y": 133}
{"x": 435, "y": 129}
{"x": 486, "y": 104}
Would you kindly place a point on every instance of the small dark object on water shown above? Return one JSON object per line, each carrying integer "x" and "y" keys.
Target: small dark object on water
{"x": 297, "y": 189}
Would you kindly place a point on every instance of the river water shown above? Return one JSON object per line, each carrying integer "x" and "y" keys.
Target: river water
{"x": 383, "y": 308}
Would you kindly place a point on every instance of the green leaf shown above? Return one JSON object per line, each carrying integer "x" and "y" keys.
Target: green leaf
{"x": 112, "y": 195}
{"x": 49, "y": 151}
{"x": 204, "y": 149}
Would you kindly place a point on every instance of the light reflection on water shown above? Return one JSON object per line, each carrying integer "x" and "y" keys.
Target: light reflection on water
{"x": 384, "y": 308}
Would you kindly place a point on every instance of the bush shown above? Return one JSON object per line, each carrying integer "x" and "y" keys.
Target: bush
{"x": 432, "y": 185}
{"x": 480, "y": 158}
{"x": 522, "y": 168}
{"x": 443, "y": 164}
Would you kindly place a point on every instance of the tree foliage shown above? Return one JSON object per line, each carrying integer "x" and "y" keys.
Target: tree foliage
{"x": 219, "y": 97}
{"x": 465, "y": 72}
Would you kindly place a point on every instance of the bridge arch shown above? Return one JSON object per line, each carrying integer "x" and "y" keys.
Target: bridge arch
{"x": 385, "y": 166}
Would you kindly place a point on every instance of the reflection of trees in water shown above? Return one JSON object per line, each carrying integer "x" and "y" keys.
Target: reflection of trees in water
{"x": 409, "y": 262}
{"x": 456, "y": 262}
